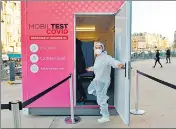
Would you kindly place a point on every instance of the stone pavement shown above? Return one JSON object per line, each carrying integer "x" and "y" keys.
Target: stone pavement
{"x": 156, "y": 99}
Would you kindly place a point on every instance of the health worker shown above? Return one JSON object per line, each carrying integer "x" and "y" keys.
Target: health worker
{"x": 100, "y": 84}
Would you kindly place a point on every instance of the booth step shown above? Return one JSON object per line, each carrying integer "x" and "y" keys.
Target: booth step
{"x": 80, "y": 103}
{"x": 88, "y": 102}
{"x": 91, "y": 102}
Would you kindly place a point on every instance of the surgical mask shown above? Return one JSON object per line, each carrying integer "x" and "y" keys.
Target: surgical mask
{"x": 98, "y": 51}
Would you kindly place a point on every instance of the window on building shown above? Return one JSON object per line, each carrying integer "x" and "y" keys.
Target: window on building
{"x": 141, "y": 34}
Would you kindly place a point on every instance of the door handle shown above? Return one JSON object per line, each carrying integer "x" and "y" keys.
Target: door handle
{"x": 129, "y": 69}
{"x": 124, "y": 69}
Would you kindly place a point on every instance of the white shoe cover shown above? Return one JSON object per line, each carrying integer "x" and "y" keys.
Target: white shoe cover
{"x": 103, "y": 120}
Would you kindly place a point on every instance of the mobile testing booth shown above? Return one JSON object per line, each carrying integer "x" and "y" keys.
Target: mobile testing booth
{"x": 49, "y": 32}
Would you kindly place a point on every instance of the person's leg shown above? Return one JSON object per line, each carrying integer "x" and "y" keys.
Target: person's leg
{"x": 160, "y": 63}
{"x": 102, "y": 102}
{"x": 77, "y": 89}
{"x": 166, "y": 59}
{"x": 169, "y": 60}
{"x": 81, "y": 90}
{"x": 155, "y": 63}
{"x": 102, "y": 99}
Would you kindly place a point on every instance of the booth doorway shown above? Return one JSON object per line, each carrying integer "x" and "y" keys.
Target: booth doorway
{"x": 118, "y": 46}
{"x": 90, "y": 29}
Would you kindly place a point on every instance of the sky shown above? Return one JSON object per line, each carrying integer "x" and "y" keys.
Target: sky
{"x": 154, "y": 17}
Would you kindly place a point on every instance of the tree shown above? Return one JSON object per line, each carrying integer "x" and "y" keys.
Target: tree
{"x": 174, "y": 46}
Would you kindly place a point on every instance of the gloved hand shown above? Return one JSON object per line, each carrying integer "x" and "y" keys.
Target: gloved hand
{"x": 121, "y": 66}
{"x": 89, "y": 69}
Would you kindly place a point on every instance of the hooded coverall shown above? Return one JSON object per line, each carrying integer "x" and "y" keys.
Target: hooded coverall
{"x": 100, "y": 84}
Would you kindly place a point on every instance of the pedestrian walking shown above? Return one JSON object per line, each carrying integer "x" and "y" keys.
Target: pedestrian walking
{"x": 157, "y": 59}
{"x": 168, "y": 53}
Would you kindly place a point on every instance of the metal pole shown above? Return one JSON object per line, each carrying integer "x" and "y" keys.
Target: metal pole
{"x": 137, "y": 111}
{"x": 71, "y": 100}
{"x": 16, "y": 114}
{"x": 72, "y": 119}
{"x": 137, "y": 92}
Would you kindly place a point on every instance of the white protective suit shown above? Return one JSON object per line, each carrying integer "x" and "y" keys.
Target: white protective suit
{"x": 100, "y": 84}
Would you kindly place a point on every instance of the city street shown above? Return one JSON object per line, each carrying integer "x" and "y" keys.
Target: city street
{"x": 156, "y": 99}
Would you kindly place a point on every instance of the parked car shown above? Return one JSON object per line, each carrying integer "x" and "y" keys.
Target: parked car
{"x": 18, "y": 71}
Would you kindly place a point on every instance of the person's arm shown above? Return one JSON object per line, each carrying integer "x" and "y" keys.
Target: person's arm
{"x": 114, "y": 63}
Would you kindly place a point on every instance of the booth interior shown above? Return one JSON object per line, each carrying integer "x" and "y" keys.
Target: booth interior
{"x": 89, "y": 30}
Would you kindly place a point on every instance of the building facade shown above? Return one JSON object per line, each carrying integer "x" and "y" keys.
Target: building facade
{"x": 11, "y": 27}
{"x": 148, "y": 41}
{"x": 175, "y": 36}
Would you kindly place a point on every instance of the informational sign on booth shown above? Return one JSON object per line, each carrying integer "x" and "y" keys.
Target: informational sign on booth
{"x": 34, "y": 58}
{"x": 53, "y": 31}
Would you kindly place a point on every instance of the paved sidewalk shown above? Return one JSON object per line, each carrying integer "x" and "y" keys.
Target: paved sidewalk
{"x": 156, "y": 99}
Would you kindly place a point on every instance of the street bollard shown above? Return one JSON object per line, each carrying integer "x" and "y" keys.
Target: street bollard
{"x": 15, "y": 107}
{"x": 137, "y": 111}
{"x": 72, "y": 119}
{"x": 12, "y": 70}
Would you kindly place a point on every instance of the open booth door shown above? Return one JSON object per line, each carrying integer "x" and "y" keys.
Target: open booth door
{"x": 123, "y": 53}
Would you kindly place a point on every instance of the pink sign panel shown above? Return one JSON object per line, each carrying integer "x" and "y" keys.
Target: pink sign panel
{"x": 48, "y": 46}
